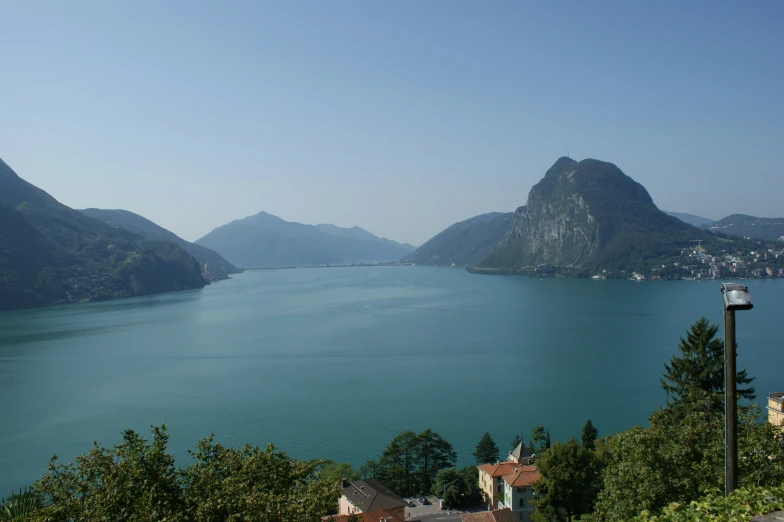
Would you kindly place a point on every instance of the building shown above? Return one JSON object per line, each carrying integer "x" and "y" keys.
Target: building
{"x": 497, "y": 515}
{"x": 521, "y": 455}
{"x": 776, "y": 408}
{"x": 370, "y": 496}
{"x": 518, "y": 492}
{"x": 491, "y": 480}
{"x": 491, "y": 476}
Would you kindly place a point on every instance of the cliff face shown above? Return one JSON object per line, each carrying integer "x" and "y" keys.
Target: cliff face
{"x": 589, "y": 216}
{"x": 553, "y": 229}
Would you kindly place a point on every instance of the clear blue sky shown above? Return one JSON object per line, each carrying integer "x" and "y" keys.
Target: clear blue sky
{"x": 400, "y": 117}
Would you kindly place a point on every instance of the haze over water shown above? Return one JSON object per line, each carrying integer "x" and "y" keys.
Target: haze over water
{"x": 333, "y": 363}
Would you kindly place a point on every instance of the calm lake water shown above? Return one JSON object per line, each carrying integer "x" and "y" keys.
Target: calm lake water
{"x": 333, "y": 363}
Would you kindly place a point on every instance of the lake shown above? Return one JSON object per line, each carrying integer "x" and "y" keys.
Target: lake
{"x": 334, "y": 362}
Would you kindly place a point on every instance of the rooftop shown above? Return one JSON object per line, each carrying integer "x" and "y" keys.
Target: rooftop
{"x": 777, "y": 396}
{"x": 498, "y": 515}
{"x": 499, "y": 469}
{"x": 525, "y": 476}
{"x": 370, "y": 495}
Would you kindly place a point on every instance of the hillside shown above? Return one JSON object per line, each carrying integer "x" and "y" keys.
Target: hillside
{"x": 464, "y": 243}
{"x": 585, "y": 217}
{"x": 691, "y": 219}
{"x": 267, "y": 241}
{"x": 217, "y": 267}
{"x": 50, "y": 253}
{"x": 750, "y": 226}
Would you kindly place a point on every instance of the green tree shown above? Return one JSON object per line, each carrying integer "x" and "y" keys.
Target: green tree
{"x": 20, "y": 507}
{"x": 538, "y": 440}
{"x": 370, "y": 469}
{"x": 486, "y": 450}
{"x": 547, "y": 440}
{"x": 397, "y": 465}
{"x": 335, "y": 471}
{"x": 699, "y": 369}
{"x": 470, "y": 476}
{"x": 569, "y": 484}
{"x": 516, "y": 441}
{"x": 254, "y": 484}
{"x": 433, "y": 453}
{"x": 409, "y": 463}
{"x": 450, "y": 485}
{"x": 589, "y": 435}
{"x": 681, "y": 458}
{"x": 135, "y": 480}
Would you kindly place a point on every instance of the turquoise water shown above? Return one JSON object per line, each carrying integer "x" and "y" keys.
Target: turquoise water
{"x": 333, "y": 363}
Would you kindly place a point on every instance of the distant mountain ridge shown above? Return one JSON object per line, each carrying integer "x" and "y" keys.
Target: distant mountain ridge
{"x": 691, "y": 219}
{"x": 750, "y": 226}
{"x": 217, "y": 267}
{"x": 267, "y": 241}
{"x": 50, "y": 253}
{"x": 465, "y": 243}
{"x": 588, "y": 216}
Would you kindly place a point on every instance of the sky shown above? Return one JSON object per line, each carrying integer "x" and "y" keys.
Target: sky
{"x": 399, "y": 117}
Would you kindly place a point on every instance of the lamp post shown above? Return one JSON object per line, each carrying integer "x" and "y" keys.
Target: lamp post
{"x": 736, "y": 297}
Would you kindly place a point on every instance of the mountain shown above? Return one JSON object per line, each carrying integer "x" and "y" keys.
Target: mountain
{"x": 50, "y": 253}
{"x": 464, "y": 243}
{"x": 691, "y": 219}
{"x": 750, "y": 226}
{"x": 216, "y": 266}
{"x": 267, "y": 241}
{"x": 585, "y": 217}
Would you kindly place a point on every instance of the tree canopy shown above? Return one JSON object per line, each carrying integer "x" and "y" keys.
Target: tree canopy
{"x": 137, "y": 480}
{"x": 569, "y": 484}
{"x": 486, "y": 450}
{"x": 699, "y": 369}
{"x": 539, "y": 438}
{"x": 589, "y": 435}
{"x": 410, "y": 462}
{"x": 516, "y": 441}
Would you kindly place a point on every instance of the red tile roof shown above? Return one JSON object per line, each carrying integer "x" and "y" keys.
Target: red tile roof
{"x": 500, "y": 469}
{"x": 525, "y": 476}
{"x": 498, "y": 515}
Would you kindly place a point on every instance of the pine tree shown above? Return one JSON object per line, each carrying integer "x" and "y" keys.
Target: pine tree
{"x": 538, "y": 440}
{"x": 486, "y": 450}
{"x": 590, "y": 434}
{"x": 699, "y": 370}
{"x": 547, "y": 441}
{"x": 516, "y": 441}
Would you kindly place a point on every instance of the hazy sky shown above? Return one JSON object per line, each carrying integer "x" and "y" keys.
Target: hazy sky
{"x": 401, "y": 117}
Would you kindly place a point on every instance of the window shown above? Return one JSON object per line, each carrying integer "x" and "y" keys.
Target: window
{"x": 521, "y": 490}
{"x": 521, "y": 503}
{"x": 500, "y": 489}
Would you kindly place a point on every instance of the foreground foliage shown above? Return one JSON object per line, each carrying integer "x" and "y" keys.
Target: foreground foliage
{"x": 741, "y": 505}
{"x": 678, "y": 458}
{"x": 569, "y": 482}
{"x": 137, "y": 480}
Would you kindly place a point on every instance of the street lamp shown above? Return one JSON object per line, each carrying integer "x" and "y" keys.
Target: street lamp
{"x": 736, "y": 297}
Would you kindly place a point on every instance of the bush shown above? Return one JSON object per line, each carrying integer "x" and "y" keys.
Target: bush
{"x": 742, "y": 504}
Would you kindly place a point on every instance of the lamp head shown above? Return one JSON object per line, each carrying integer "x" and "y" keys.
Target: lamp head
{"x": 736, "y": 296}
